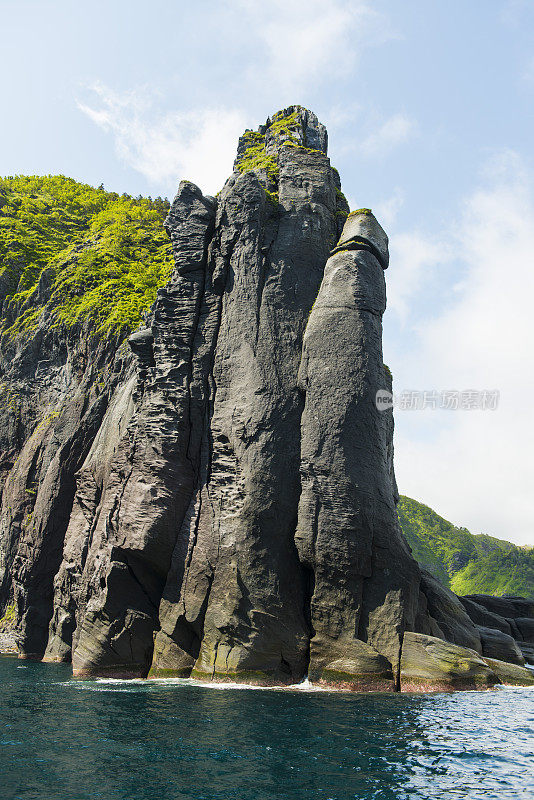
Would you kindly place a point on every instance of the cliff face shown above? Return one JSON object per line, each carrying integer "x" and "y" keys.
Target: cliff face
{"x": 216, "y": 498}
{"x": 69, "y": 283}
{"x": 55, "y": 408}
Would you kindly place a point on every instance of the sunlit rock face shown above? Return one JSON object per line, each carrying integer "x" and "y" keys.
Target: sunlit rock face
{"x": 225, "y": 507}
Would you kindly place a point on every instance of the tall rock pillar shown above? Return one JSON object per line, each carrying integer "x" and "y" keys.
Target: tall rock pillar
{"x": 233, "y": 607}
{"x": 362, "y": 580}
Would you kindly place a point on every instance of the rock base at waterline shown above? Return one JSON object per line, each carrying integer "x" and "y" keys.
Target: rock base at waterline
{"x": 429, "y": 664}
{"x": 511, "y": 674}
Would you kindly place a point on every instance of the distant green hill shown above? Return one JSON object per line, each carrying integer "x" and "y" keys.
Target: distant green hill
{"x": 78, "y": 253}
{"x": 468, "y": 564}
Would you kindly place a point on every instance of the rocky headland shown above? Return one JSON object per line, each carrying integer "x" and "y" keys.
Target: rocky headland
{"x": 215, "y": 496}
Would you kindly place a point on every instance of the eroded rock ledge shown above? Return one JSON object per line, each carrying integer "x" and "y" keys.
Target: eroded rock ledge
{"x": 226, "y": 508}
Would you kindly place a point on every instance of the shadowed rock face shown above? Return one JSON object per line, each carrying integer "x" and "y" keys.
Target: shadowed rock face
{"x": 55, "y": 395}
{"x": 226, "y": 506}
{"x": 446, "y": 609}
{"x": 130, "y": 513}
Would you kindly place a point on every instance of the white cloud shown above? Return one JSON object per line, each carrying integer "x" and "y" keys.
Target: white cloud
{"x": 414, "y": 257}
{"x": 342, "y": 115}
{"x": 197, "y": 144}
{"x": 283, "y": 50}
{"x": 395, "y": 131}
{"x": 386, "y": 210}
{"x": 476, "y": 468}
{"x": 306, "y": 41}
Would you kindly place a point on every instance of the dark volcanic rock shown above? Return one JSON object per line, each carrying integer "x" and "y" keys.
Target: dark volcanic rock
{"x": 527, "y": 651}
{"x": 507, "y": 607}
{"x": 481, "y": 616}
{"x": 132, "y": 511}
{"x": 446, "y": 609}
{"x": 525, "y": 626}
{"x": 513, "y": 616}
{"x": 216, "y": 496}
{"x": 347, "y": 534}
{"x": 234, "y": 607}
{"x": 496, "y": 644}
{"x": 55, "y": 393}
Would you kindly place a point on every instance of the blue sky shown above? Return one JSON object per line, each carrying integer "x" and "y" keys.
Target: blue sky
{"x": 430, "y": 112}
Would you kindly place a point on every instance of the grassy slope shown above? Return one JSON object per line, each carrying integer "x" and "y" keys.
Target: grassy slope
{"x": 104, "y": 255}
{"x": 468, "y": 564}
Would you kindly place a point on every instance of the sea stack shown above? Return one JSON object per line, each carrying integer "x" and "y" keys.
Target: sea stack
{"x": 215, "y": 497}
{"x": 363, "y": 581}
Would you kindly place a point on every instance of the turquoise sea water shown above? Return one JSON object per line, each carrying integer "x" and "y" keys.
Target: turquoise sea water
{"x": 165, "y": 740}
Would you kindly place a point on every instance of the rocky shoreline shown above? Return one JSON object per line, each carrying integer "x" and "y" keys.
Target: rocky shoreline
{"x": 429, "y": 665}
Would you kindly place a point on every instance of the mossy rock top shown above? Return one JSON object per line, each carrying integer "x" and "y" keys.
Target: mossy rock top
{"x": 293, "y": 127}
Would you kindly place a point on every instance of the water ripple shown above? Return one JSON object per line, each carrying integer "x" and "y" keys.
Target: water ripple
{"x": 175, "y": 739}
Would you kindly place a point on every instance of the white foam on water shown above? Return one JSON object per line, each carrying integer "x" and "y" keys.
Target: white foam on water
{"x": 305, "y": 686}
{"x": 511, "y": 687}
{"x": 132, "y": 684}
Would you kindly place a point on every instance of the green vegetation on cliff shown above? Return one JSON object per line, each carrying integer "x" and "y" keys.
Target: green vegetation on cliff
{"x": 468, "y": 564}
{"x": 258, "y": 151}
{"x": 7, "y": 621}
{"x": 256, "y": 156}
{"x": 82, "y": 253}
